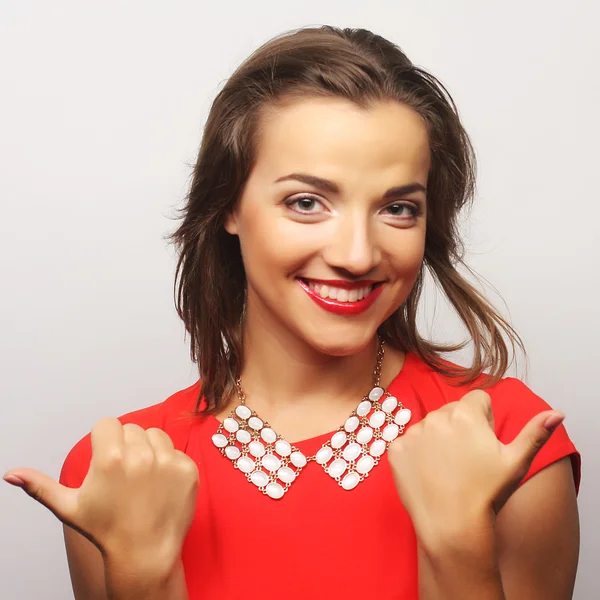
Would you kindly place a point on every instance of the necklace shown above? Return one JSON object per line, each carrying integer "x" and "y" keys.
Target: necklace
{"x": 272, "y": 464}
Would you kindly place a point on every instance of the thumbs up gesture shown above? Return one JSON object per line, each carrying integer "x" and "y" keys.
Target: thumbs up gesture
{"x": 137, "y": 500}
{"x": 452, "y": 472}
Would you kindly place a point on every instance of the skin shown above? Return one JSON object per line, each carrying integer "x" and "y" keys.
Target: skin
{"x": 318, "y": 361}
{"x": 488, "y": 539}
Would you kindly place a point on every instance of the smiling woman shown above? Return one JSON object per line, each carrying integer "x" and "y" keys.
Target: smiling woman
{"x": 351, "y": 216}
{"x": 324, "y": 427}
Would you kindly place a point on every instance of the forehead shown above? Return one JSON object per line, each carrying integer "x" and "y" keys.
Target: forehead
{"x": 335, "y": 137}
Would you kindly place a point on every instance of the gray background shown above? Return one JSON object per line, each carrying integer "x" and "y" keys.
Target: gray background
{"x": 101, "y": 110}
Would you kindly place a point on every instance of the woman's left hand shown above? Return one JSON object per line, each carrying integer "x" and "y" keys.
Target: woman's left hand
{"x": 452, "y": 472}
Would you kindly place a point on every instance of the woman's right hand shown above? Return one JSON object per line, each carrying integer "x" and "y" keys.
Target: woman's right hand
{"x": 137, "y": 501}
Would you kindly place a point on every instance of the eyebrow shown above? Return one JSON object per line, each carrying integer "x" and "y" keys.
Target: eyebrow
{"x": 333, "y": 188}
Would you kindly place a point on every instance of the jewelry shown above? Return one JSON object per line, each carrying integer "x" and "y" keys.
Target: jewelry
{"x": 272, "y": 464}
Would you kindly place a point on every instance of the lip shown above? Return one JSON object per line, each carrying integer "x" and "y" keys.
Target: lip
{"x": 343, "y": 283}
{"x": 343, "y": 308}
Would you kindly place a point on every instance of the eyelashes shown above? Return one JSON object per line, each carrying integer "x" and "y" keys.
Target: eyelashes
{"x": 306, "y": 204}
{"x": 303, "y": 200}
{"x": 414, "y": 209}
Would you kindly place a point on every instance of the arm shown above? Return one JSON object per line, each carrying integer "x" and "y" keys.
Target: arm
{"x": 538, "y": 536}
{"x": 530, "y": 552}
{"x": 91, "y": 575}
{"x": 86, "y": 566}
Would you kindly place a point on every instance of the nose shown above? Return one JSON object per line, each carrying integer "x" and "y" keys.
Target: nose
{"x": 353, "y": 246}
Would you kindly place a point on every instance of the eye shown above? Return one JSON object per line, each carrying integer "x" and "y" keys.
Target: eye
{"x": 306, "y": 205}
{"x": 403, "y": 210}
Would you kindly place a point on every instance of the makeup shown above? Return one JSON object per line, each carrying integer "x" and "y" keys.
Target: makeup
{"x": 342, "y": 289}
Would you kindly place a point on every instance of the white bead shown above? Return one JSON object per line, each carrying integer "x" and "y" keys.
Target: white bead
{"x": 350, "y": 481}
{"x": 286, "y": 475}
{"x": 232, "y": 452}
{"x": 323, "y": 455}
{"x": 352, "y": 451}
{"x": 243, "y": 412}
{"x": 364, "y": 408}
{"x": 377, "y": 419}
{"x": 268, "y": 435}
{"x": 255, "y": 423}
{"x": 351, "y": 424}
{"x": 243, "y": 436}
{"x": 270, "y": 462}
{"x": 231, "y": 425}
{"x": 259, "y": 478}
{"x": 338, "y": 439}
{"x": 403, "y": 416}
{"x": 256, "y": 449}
{"x": 364, "y": 435}
{"x": 219, "y": 440}
{"x": 377, "y": 448}
{"x": 337, "y": 467}
{"x": 390, "y": 433}
{"x": 298, "y": 459}
{"x": 375, "y": 393}
{"x": 283, "y": 448}
{"x": 275, "y": 491}
{"x": 389, "y": 404}
{"x": 245, "y": 464}
{"x": 365, "y": 464}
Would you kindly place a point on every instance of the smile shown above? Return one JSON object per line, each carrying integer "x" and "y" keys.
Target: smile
{"x": 342, "y": 297}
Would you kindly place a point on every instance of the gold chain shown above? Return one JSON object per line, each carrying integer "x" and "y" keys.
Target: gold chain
{"x": 376, "y": 373}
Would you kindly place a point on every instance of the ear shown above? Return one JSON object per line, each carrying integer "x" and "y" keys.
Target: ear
{"x": 231, "y": 225}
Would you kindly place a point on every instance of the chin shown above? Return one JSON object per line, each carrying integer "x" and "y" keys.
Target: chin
{"x": 335, "y": 341}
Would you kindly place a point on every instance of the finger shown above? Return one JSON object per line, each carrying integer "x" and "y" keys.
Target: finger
{"x": 62, "y": 501}
{"x": 480, "y": 403}
{"x": 133, "y": 434}
{"x": 533, "y": 436}
{"x": 106, "y": 435}
{"x": 160, "y": 441}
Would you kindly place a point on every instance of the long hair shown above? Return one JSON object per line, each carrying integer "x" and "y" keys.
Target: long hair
{"x": 362, "y": 67}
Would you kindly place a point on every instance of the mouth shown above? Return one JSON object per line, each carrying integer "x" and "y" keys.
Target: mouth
{"x": 342, "y": 297}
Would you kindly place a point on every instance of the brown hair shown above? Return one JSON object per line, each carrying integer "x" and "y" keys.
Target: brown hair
{"x": 362, "y": 67}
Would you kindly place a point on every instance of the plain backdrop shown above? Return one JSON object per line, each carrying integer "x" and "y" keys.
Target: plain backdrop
{"x": 101, "y": 113}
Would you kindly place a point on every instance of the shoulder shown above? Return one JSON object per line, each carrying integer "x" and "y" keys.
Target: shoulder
{"x": 162, "y": 415}
{"x": 510, "y": 397}
{"x": 513, "y": 405}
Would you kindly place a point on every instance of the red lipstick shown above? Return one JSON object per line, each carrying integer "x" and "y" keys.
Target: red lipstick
{"x": 343, "y": 308}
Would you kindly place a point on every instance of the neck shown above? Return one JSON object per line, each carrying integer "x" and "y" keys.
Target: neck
{"x": 281, "y": 370}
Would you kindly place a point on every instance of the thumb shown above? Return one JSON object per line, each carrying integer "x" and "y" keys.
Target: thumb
{"x": 533, "y": 436}
{"x": 55, "y": 497}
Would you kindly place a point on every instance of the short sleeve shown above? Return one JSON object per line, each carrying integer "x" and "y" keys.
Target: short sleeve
{"x": 77, "y": 462}
{"x": 514, "y": 404}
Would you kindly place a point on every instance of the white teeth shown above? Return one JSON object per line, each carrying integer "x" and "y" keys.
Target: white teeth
{"x": 340, "y": 294}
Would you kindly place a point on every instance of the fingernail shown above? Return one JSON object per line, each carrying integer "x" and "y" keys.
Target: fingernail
{"x": 553, "y": 421}
{"x": 14, "y": 480}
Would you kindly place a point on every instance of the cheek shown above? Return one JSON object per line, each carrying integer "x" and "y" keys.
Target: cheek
{"x": 272, "y": 246}
{"x": 406, "y": 252}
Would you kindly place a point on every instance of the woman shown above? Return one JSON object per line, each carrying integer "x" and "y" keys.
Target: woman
{"x": 329, "y": 451}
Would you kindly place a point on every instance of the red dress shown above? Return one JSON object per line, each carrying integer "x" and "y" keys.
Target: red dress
{"x": 319, "y": 541}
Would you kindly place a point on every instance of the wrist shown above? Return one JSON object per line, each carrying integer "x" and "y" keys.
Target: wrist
{"x": 466, "y": 534}
{"x": 460, "y": 562}
{"x": 138, "y": 580}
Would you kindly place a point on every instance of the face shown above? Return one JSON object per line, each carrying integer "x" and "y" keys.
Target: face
{"x": 332, "y": 219}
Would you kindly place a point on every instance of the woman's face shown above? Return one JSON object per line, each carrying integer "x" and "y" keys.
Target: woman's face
{"x": 332, "y": 219}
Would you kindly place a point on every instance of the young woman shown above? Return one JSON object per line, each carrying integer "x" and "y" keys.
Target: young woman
{"x": 328, "y": 450}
